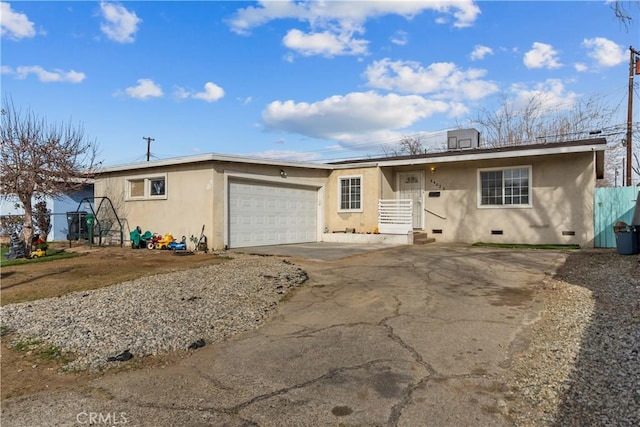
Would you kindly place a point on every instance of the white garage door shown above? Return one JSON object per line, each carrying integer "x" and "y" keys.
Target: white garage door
{"x": 269, "y": 214}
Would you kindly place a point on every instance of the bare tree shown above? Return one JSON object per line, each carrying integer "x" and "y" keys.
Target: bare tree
{"x": 411, "y": 145}
{"x": 535, "y": 122}
{"x": 39, "y": 159}
{"x": 621, "y": 12}
{"x": 408, "y": 145}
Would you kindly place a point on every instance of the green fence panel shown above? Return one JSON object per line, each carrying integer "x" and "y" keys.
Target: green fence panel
{"x": 612, "y": 204}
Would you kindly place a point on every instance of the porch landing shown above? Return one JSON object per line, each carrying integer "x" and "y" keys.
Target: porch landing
{"x": 411, "y": 238}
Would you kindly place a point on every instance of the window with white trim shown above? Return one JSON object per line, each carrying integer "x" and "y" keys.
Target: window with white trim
{"x": 350, "y": 193}
{"x": 505, "y": 187}
{"x": 147, "y": 187}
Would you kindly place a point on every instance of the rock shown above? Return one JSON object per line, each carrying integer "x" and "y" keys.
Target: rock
{"x": 122, "y": 357}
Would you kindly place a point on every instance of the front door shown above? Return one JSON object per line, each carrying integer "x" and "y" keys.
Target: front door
{"x": 411, "y": 186}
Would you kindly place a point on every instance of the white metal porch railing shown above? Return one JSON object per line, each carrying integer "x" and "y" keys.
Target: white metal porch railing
{"x": 395, "y": 216}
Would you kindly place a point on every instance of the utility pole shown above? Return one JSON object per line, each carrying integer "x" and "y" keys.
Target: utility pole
{"x": 634, "y": 68}
{"x": 148, "y": 139}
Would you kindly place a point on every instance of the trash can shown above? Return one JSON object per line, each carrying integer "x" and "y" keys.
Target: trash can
{"x": 77, "y": 225}
{"x": 627, "y": 239}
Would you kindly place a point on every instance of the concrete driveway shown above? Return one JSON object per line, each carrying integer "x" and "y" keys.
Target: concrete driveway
{"x": 405, "y": 336}
{"x": 316, "y": 250}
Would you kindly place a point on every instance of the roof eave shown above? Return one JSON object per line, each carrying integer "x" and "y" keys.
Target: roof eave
{"x": 208, "y": 158}
{"x": 457, "y": 157}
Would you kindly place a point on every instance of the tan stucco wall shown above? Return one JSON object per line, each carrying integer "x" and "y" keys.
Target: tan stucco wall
{"x": 196, "y": 196}
{"x": 387, "y": 184}
{"x": 562, "y": 200}
{"x": 366, "y": 220}
{"x": 186, "y": 209}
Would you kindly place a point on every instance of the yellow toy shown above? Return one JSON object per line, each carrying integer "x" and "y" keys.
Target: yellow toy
{"x": 163, "y": 242}
{"x": 38, "y": 253}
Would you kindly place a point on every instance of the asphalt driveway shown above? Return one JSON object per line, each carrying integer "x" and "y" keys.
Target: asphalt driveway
{"x": 406, "y": 336}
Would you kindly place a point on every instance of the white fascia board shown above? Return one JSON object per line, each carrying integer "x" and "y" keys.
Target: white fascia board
{"x": 495, "y": 155}
{"x": 207, "y": 158}
{"x": 357, "y": 165}
{"x": 491, "y": 154}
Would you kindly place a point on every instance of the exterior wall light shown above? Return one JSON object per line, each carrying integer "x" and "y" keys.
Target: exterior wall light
{"x": 283, "y": 173}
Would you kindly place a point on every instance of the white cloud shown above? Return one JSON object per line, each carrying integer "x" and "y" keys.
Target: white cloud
{"x": 541, "y": 55}
{"x": 333, "y": 24}
{"x": 580, "y": 67}
{"x": 604, "y": 51}
{"x": 14, "y": 25}
{"x": 479, "y": 52}
{"x": 443, "y": 79}
{"x": 255, "y": 16}
{"x": 400, "y": 38}
{"x": 358, "y": 113}
{"x": 119, "y": 24}
{"x": 45, "y": 76}
{"x": 181, "y": 93}
{"x": 324, "y": 43}
{"x": 212, "y": 92}
{"x": 319, "y": 13}
{"x": 146, "y": 88}
{"x": 551, "y": 94}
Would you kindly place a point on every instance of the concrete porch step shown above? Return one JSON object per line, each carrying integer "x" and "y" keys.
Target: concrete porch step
{"x": 422, "y": 238}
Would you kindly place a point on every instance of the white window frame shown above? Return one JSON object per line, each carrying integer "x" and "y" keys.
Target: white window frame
{"x": 147, "y": 179}
{"x": 349, "y": 177}
{"x": 504, "y": 206}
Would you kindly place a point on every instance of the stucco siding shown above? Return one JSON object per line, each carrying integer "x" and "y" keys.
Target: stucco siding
{"x": 562, "y": 201}
{"x": 196, "y": 196}
{"x": 560, "y": 180}
{"x": 364, "y": 220}
{"x": 187, "y": 207}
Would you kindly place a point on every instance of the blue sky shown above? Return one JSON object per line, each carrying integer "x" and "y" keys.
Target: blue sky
{"x": 312, "y": 81}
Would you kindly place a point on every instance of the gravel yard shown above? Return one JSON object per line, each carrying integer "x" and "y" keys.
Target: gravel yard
{"x": 156, "y": 314}
{"x": 582, "y": 367}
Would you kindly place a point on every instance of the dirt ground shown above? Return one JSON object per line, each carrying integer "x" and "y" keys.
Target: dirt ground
{"x": 31, "y": 367}
{"x": 95, "y": 268}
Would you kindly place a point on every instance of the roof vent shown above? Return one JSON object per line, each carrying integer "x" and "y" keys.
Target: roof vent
{"x": 463, "y": 139}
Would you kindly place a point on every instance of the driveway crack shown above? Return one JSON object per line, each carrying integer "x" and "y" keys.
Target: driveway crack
{"x": 396, "y": 410}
